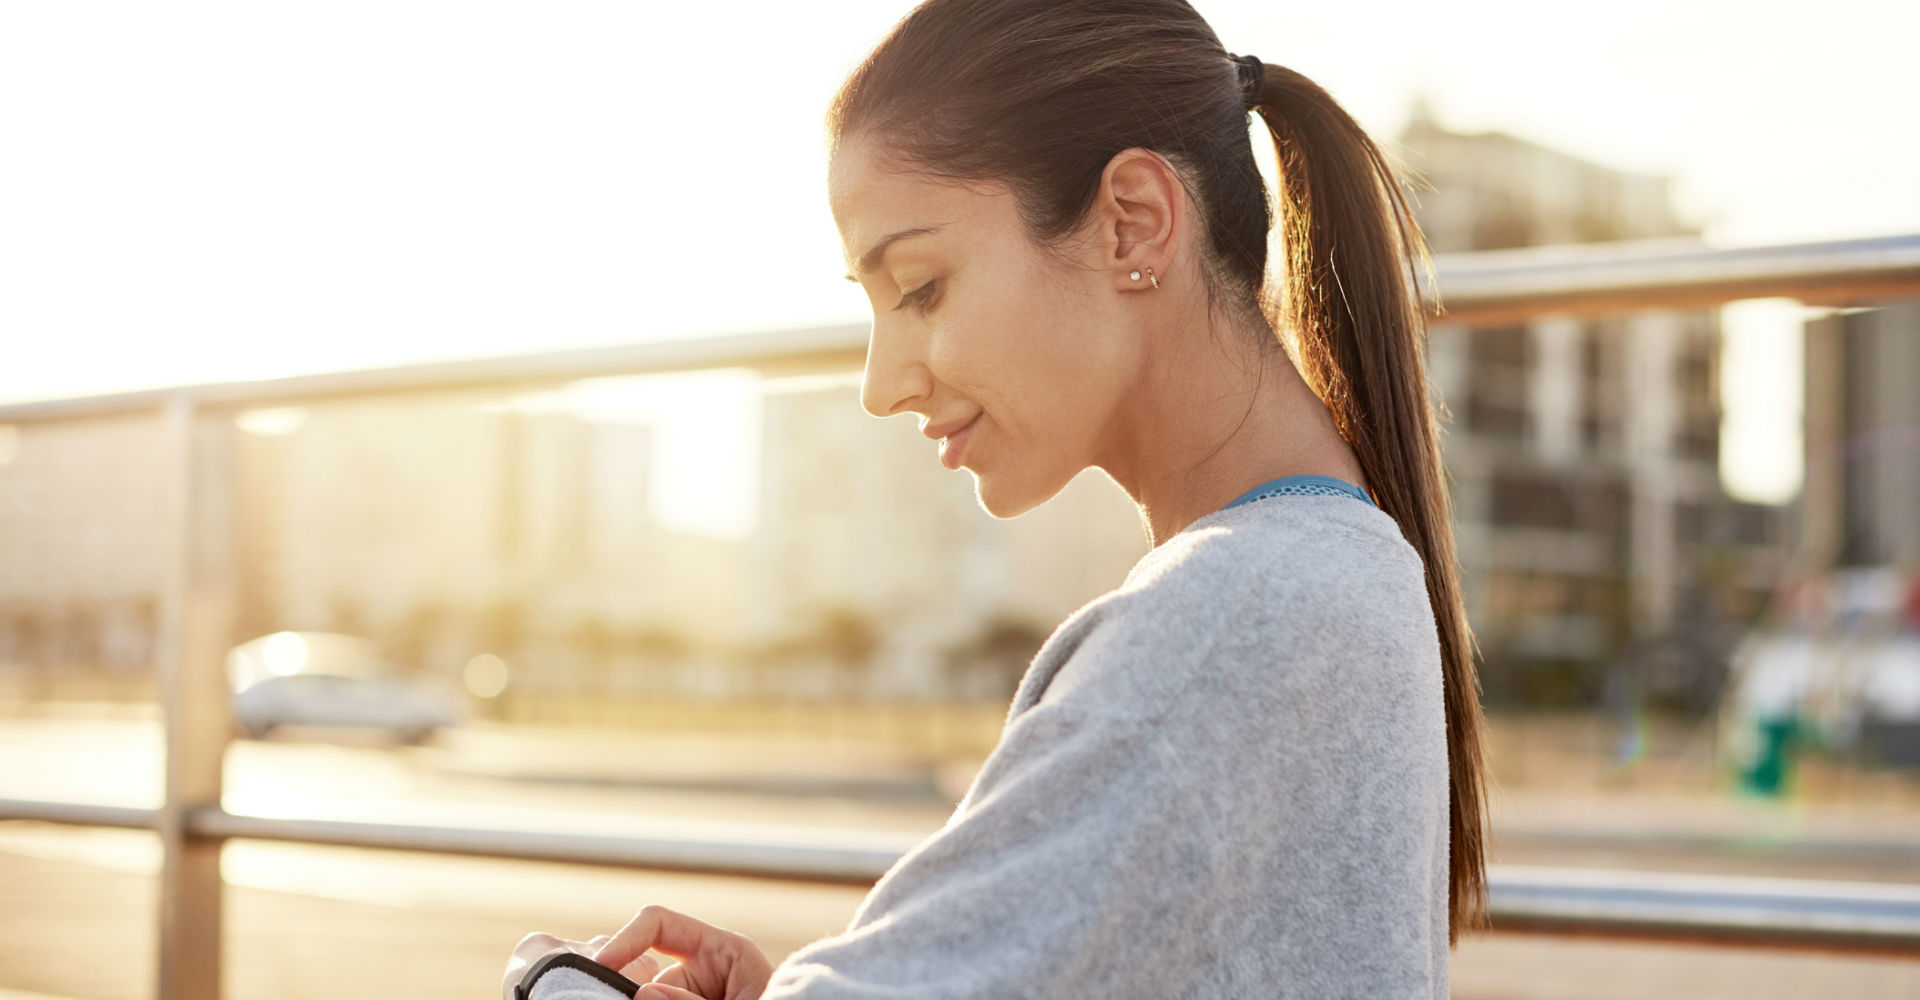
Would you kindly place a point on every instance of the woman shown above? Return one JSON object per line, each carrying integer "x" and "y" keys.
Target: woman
{"x": 1254, "y": 769}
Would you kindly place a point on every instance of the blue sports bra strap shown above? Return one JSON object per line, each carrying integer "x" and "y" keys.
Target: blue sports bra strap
{"x": 1303, "y": 485}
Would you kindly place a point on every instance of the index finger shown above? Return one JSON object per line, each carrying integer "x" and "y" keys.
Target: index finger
{"x": 657, "y": 928}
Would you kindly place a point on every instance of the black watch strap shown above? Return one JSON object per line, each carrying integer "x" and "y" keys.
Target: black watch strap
{"x": 572, "y": 960}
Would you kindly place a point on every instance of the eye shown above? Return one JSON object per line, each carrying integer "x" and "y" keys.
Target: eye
{"x": 917, "y": 297}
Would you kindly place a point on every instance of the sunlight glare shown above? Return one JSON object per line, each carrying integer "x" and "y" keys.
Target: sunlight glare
{"x": 1761, "y": 450}
{"x": 706, "y": 446}
{"x": 273, "y": 421}
{"x": 285, "y": 653}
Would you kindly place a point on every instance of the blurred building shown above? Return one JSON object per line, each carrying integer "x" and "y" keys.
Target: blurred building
{"x": 83, "y": 545}
{"x": 452, "y": 528}
{"x": 1596, "y": 541}
{"x": 860, "y": 520}
{"x": 1842, "y": 655}
{"x": 1862, "y": 498}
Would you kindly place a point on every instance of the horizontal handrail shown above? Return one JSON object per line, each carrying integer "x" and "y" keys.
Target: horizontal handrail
{"x": 80, "y": 814}
{"x": 800, "y": 350}
{"x": 1479, "y": 287}
{"x": 1730, "y": 909}
{"x": 743, "y": 855}
{"x": 1492, "y": 286}
{"x": 1853, "y": 850}
{"x": 1723, "y": 908}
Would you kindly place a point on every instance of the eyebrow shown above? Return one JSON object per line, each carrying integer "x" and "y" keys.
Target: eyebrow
{"x": 871, "y": 259}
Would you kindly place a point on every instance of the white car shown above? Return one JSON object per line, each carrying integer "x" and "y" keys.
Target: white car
{"x": 329, "y": 679}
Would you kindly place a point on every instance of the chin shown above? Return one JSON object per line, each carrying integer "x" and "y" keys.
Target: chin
{"x": 1004, "y": 499}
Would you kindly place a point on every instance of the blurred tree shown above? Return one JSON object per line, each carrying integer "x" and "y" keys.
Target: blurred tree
{"x": 501, "y": 628}
{"x": 989, "y": 666}
{"x": 848, "y": 638}
{"x": 420, "y": 631}
{"x": 80, "y": 628}
{"x": 346, "y": 615}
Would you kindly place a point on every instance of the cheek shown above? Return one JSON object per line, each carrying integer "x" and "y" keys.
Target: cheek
{"x": 984, "y": 335}
{"x": 1019, "y": 347}
{"x": 1065, "y": 363}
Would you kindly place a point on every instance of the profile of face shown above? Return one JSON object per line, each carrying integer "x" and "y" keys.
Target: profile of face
{"x": 1033, "y": 353}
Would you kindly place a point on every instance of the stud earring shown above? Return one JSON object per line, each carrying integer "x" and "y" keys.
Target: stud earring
{"x": 1135, "y": 275}
{"x": 1150, "y": 277}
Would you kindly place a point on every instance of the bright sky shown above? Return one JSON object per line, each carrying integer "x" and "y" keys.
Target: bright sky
{"x": 202, "y": 191}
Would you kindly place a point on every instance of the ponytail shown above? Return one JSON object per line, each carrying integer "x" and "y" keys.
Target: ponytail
{"x": 1349, "y": 295}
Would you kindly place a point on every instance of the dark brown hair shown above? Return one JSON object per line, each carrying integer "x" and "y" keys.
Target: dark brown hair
{"x": 1040, "y": 95}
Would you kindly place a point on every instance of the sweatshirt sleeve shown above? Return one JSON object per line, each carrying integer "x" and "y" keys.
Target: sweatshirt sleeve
{"x": 1074, "y": 849}
{"x": 572, "y": 984}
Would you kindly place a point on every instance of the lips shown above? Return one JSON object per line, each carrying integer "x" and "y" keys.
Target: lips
{"x": 938, "y": 431}
{"x": 953, "y": 443}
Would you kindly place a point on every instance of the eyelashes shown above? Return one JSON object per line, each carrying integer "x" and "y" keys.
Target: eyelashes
{"x": 916, "y": 298}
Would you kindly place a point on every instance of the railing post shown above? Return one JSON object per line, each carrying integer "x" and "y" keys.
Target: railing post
{"x": 1824, "y": 422}
{"x": 198, "y": 605}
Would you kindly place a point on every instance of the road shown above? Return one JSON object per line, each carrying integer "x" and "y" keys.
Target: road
{"x": 329, "y": 922}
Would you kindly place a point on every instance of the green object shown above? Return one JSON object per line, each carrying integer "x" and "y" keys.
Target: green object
{"x": 1780, "y": 737}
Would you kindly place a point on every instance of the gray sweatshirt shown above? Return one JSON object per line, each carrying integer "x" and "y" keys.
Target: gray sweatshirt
{"x": 1226, "y": 778}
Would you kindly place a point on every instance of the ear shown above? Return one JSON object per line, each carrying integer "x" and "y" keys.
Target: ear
{"x": 1139, "y": 214}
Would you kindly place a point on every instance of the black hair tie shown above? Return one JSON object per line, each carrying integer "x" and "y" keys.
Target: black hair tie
{"x": 1253, "y": 76}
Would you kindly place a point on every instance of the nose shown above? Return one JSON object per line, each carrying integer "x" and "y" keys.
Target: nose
{"x": 894, "y": 376}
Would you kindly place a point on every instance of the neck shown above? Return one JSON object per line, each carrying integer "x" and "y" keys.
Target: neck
{"x": 1214, "y": 418}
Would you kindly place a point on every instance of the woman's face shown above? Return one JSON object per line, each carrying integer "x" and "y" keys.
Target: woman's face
{"x": 971, "y": 322}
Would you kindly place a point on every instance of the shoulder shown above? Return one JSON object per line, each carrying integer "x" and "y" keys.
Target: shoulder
{"x": 1250, "y": 595}
{"x": 1311, "y": 561}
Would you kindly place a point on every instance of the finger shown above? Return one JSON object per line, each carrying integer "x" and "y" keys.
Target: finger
{"x": 661, "y": 991}
{"x": 534, "y": 945}
{"x": 743, "y": 971}
{"x": 582, "y": 947}
{"x": 524, "y": 955}
{"x": 657, "y": 928}
{"x": 676, "y": 976}
{"x": 642, "y": 969}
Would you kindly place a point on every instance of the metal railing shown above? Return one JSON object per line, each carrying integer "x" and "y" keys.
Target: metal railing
{"x": 199, "y": 602}
{"x": 1854, "y": 916}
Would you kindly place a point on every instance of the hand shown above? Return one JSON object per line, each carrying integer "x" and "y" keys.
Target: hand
{"x": 533, "y": 947}
{"x": 714, "y": 964}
